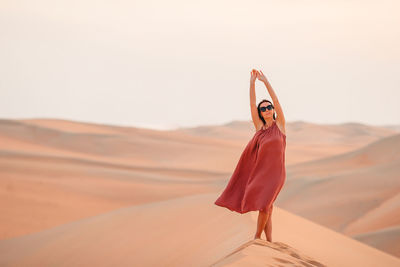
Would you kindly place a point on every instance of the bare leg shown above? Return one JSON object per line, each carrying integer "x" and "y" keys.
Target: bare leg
{"x": 268, "y": 226}
{"x": 261, "y": 221}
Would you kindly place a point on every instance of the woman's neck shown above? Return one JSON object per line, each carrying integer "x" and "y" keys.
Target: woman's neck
{"x": 269, "y": 123}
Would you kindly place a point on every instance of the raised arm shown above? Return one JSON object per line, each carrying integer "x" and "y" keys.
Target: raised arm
{"x": 280, "y": 118}
{"x": 253, "y": 105}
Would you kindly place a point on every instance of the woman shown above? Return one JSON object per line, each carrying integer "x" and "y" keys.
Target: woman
{"x": 260, "y": 172}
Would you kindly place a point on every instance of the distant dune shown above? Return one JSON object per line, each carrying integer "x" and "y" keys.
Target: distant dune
{"x": 306, "y": 141}
{"x": 194, "y": 148}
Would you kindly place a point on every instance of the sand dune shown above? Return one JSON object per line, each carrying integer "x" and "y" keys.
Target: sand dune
{"x": 354, "y": 193}
{"x": 148, "y": 148}
{"x": 177, "y": 232}
{"x": 38, "y": 191}
{"x": 260, "y": 252}
{"x": 64, "y": 184}
{"x": 170, "y": 232}
{"x": 377, "y": 218}
{"x": 386, "y": 239}
{"x": 75, "y": 127}
{"x": 306, "y": 141}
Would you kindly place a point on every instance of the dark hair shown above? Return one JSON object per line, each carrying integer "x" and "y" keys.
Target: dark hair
{"x": 259, "y": 111}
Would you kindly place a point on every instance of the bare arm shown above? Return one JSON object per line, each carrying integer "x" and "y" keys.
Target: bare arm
{"x": 252, "y": 94}
{"x": 280, "y": 118}
{"x": 253, "y": 105}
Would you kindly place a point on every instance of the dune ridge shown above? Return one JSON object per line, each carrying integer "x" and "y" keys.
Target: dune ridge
{"x": 285, "y": 255}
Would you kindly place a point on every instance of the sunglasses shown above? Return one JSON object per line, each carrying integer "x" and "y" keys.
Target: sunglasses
{"x": 269, "y": 107}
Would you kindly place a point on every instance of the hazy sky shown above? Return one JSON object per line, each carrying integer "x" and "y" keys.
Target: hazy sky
{"x": 162, "y": 64}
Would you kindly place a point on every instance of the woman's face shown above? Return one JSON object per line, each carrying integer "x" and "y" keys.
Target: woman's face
{"x": 267, "y": 114}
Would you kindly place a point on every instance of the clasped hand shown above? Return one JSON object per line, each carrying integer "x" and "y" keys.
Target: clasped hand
{"x": 255, "y": 74}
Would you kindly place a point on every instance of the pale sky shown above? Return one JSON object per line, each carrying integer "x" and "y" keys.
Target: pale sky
{"x": 164, "y": 64}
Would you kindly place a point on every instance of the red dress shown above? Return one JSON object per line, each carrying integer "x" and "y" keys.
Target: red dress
{"x": 259, "y": 174}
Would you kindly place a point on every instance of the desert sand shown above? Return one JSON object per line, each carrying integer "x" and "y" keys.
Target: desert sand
{"x": 75, "y": 193}
{"x": 187, "y": 231}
